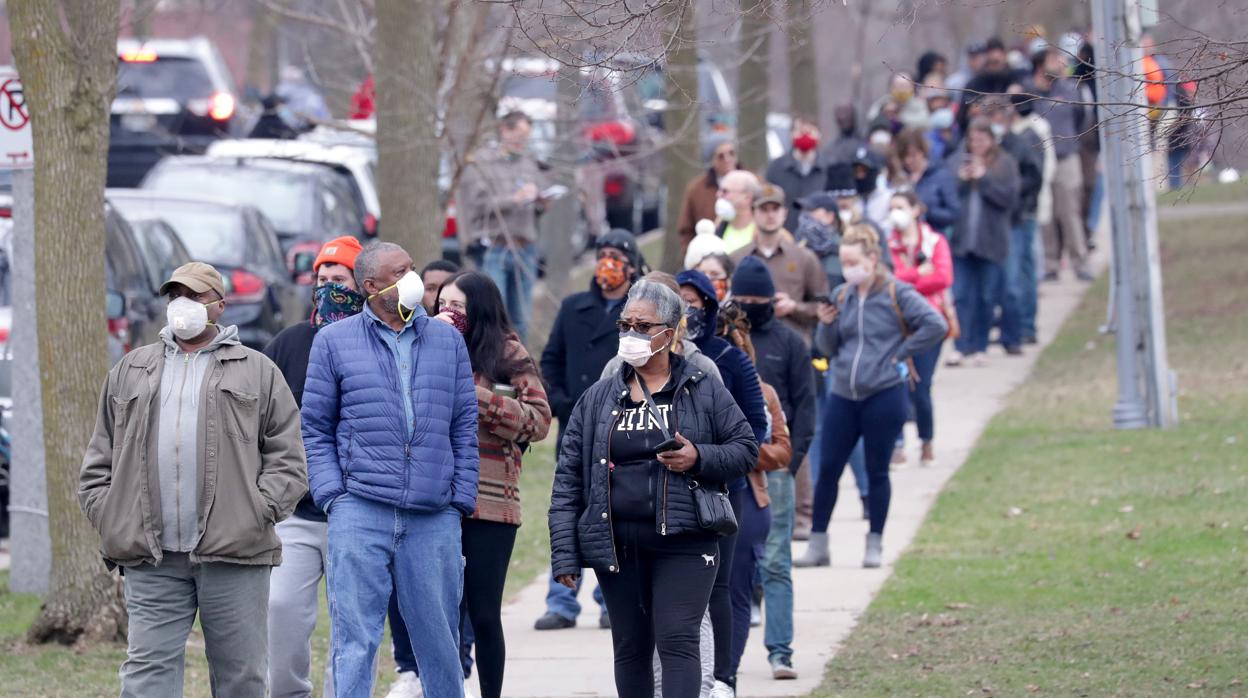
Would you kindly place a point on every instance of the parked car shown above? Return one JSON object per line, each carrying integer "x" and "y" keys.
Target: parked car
{"x": 174, "y": 96}
{"x": 262, "y": 296}
{"x": 307, "y": 204}
{"x": 715, "y": 99}
{"x": 126, "y": 271}
{"x": 358, "y": 165}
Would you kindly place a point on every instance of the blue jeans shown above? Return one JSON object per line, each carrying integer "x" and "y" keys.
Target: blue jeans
{"x": 1018, "y": 304}
{"x": 514, "y": 271}
{"x": 876, "y": 421}
{"x": 374, "y": 548}
{"x": 777, "y": 567}
{"x": 1094, "y": 205}
{"x": 921, "y": 397}
{"x": 562, "y": 601}
{"x": 1175, "y": 158}
{"x": 857, "y": 464}
{"x": 751, "y": 543}
{"x": 405, "y": 659}
{"x": 975, "y": 289}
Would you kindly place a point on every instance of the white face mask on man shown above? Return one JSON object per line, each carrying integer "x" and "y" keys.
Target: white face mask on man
{"x": 187, "y": 318}
{"x": 724, "y": 210}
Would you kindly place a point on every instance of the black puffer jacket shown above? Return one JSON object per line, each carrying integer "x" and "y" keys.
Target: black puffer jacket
{"x": 580, "y": 518}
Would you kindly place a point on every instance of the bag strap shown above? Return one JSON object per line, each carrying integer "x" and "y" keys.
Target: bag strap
{"x": 653, "y": 410}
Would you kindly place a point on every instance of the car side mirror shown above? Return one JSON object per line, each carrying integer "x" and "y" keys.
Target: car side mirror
{"x": 114, "y": 305}
{"x": 302, "y": 263}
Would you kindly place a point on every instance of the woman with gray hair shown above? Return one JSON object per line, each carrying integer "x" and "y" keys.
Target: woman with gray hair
{"x": 638, "y": 447}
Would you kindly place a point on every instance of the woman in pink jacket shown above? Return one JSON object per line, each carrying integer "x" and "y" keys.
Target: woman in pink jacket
{"x": 921, "y": 258}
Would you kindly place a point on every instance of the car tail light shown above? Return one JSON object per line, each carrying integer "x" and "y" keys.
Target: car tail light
{"x": 119, "y": 328}
{"x": 615, "y": 132}
{"x": 246, "y": 287}
{"x": 451, "y": 228}
{"x": 613, "y": 186}
{"x": 222, "y": 106}
{"x": 370, "y": 225}
{"x": 6, "y": 212}
{"x": 4, "y": 335}
{"x": 141, "y": 55}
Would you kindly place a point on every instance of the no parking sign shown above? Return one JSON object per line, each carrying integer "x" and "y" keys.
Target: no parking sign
{"x": 15, "y": 148}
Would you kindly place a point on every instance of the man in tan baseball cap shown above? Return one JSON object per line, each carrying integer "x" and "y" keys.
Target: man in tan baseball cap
{"x": 195, "y": 457}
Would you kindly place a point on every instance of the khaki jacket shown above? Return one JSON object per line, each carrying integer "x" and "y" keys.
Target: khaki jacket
{"x": 252, "y": 465}
{"x": 491, "y": 180}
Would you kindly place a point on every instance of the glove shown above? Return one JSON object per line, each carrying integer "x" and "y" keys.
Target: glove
{"x": 904, "y": 371}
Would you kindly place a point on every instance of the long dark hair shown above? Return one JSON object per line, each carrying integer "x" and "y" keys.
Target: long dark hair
{"x": 488, "y": 328}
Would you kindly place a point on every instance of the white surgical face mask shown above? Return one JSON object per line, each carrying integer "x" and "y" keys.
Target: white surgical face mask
{"x": 856, "y": 274}
{"x": 941, "y": 119}
{"x": 725, "y": 210}
{"x": 846, "y": 215}
{"x": 635, "y": 348}
{"x": 998, "y": 131}
{"x": 187, "y": 318}
{"x": 411, "y": 292}
{"x": 900, "y": 218}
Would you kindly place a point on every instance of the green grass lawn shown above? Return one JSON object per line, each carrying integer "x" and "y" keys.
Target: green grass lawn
{"x": 1208, "y": 193}
{"x": 1069, "y": 559}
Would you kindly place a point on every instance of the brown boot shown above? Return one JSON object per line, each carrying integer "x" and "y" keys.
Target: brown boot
{"x": 927, "y": 458}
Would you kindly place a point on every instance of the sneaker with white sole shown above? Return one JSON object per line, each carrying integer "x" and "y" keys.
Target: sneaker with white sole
{"x": 782, "y": 669}
{"x": 406, "y": 686}
{"x": 756, "y": 615}
{"x": 468, "y": 689}
{"x": 722, "y": 690}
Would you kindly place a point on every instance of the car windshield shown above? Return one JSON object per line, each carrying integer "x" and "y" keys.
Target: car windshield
{"x": 595, "y": 100}
{"x": 521, "y": 86}
{"x": 210, "y": 235}
{"x": 168, "y": 78}
{"x": 284, "y": 197}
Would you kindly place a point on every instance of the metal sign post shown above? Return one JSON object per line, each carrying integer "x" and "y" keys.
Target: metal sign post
{"x": 28, "y": 495}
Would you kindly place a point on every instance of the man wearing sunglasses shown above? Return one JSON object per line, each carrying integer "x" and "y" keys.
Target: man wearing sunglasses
{"x": 700, "y": 194}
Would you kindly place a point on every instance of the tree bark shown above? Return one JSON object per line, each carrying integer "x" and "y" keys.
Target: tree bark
{"x": 803, "y": 85}
{"x": 67, "y": 55}
{"x": 407, "y": 141}
{"x": 262, "y": 50}
{"x": 752, "y": 86}
{"x": 683, "y": 122}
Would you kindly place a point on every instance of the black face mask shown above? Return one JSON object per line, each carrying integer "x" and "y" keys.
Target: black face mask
{"x": 695, "y": 324}
{"x": 758, "y": 314}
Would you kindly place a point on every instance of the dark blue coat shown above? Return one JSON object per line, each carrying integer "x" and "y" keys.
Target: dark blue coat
{"x": 353, "y": 418}
{"x": 938, "y": 190}
{"x": 581, "y": 343}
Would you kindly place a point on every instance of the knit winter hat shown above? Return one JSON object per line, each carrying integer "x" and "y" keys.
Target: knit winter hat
{"x": 752, "y": 279}
{"x": 341, "y": 250}
{"x": 704, "y": 244}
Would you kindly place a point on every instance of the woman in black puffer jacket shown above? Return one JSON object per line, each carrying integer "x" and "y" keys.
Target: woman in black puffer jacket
{"x": 627, "y": 510}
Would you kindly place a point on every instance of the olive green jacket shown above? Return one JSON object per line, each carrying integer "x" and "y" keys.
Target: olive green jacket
{"x": 252, "y": 465}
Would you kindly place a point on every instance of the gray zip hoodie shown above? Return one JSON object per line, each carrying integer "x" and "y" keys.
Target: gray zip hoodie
{"x": 178, "y": 457}
{"x": 865, "y": 343}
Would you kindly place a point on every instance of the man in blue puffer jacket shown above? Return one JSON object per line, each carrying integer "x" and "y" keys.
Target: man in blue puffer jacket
{"x": 390, "y": 429}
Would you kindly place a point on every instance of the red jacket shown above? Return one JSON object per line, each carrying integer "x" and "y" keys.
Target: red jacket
{"x": 935, "y": 249}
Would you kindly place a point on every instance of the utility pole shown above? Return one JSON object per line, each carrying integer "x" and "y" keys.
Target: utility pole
{"x": 1146, "y": 387}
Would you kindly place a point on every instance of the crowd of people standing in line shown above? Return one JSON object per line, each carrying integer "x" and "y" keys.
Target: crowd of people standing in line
{"x": 704, "y": 419}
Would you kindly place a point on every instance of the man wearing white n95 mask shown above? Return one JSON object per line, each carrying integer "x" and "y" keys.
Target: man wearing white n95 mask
{"x": 390, "y": 428}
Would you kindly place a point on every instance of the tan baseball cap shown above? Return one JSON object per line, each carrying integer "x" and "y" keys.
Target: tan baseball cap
{"x": 771, "y": 194}
{"x": 198, "y": 277}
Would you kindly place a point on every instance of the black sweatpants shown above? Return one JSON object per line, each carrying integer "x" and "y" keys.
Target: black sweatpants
{"x": 657, "y": 598}
{"x": 721, "y": 598}
{"x": 487, "y": 554}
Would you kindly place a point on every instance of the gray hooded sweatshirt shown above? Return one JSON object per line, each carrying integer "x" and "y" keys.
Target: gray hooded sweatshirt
{"x": 181, "y": 385}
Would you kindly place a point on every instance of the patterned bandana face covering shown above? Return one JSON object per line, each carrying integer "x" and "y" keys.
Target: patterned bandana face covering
{"x": 458, "y": 319}
{"x": 334, "y": 302}
{"x": 610, "y": 273}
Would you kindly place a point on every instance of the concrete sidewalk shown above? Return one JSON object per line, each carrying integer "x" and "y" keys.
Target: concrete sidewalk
{"x": 828, "y": 601}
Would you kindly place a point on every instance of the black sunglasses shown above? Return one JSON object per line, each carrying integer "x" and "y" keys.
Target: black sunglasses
{"x": 642, "y": 327}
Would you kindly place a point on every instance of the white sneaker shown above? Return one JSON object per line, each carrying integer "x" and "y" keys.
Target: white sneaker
{"x": 468, "y": 689}
{"x": 406, "y": 686}
{"x": 722, "y": 690}
{"x": 756, "y": 615}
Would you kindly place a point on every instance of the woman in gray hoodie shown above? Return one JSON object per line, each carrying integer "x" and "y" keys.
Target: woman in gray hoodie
{"x": 870, "y": 329}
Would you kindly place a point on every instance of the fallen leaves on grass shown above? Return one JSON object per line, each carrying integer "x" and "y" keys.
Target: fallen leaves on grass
{"x": 1198, "y": 684}
{"x": 1033, "y": 688}
{"x": 1135, "y": 533}
{"x": 1013, "y": 512}
{"x": 1126, "y": 509}
{"x": 957, "y": 606}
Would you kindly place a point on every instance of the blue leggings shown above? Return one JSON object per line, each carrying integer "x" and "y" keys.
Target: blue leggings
{"x": 877, "y": 420}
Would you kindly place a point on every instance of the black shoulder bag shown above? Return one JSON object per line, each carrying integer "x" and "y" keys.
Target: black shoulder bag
{"x": 713, "y": 507}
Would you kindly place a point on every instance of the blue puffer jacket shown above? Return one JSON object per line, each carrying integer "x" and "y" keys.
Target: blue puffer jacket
{"x": 353, "y": 417}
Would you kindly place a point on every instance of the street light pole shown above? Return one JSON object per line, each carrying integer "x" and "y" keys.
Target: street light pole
{"x": 1145, "y": 385}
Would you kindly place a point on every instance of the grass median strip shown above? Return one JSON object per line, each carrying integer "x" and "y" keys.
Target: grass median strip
{"x": 1066, "y": 558}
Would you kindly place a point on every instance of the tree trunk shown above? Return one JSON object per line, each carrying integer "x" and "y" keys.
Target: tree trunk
{"x": 407, "y": 142}
{"x": 803, "y": 85}
{"x": 683, "y": 122}
{"x": 69, "y": 71}
{"x": 262, "y": 50}
{"x": 752, "y": 86}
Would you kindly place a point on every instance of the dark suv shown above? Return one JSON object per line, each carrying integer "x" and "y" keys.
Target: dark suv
{"x": 174, "y": 96}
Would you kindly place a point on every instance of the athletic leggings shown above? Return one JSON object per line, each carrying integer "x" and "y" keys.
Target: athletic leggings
{"x": 878, "y": 420}
{"x": 487, "y": 554}
{"x": 720, "y": 607}
{"x": 751, "y": 539}
{"x": 657, "y": 598}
